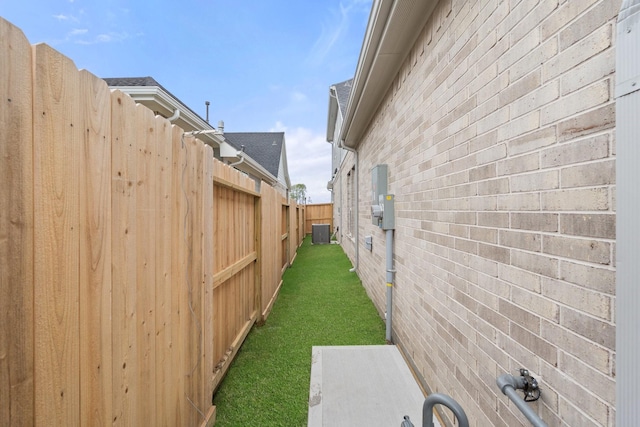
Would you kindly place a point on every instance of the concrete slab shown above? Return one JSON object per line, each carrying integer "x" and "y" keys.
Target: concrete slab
{"x": 362, "y": 386}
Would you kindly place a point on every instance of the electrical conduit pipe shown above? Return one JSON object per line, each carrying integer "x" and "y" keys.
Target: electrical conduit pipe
{"x": 449, "y": 402}
{"x": 508, "y": 384}
{"x": 390, "y": 271}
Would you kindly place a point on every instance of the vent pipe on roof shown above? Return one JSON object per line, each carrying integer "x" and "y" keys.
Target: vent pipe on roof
{"x": 207, "y": 103}
{"x": 221, "y": 126}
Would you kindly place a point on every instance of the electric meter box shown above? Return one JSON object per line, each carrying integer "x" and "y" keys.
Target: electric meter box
{"x": 388, "y": 220}
{"x": 378, "y": 191}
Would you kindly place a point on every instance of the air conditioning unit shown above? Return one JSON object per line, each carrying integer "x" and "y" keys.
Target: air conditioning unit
{"x": 320, "y": 233}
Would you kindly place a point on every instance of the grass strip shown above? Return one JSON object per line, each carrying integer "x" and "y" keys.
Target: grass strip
{"x": 320, "y": 303}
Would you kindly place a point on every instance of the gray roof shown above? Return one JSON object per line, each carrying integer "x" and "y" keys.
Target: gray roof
{"x": 144, "y": 82}
{"x": 133, "y": 81}
{"x": 263, "y": 147}
{"x": 343, "y": 90}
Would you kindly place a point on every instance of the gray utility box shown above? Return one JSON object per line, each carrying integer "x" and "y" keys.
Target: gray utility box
{"x": 320, "y": 233}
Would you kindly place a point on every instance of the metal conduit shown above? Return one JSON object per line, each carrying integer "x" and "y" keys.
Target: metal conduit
{"x": 449, "y": 402}
{"x": 508, "y": 385}
{"x": 427, "y": 411}
{"x": 390, "y": 271}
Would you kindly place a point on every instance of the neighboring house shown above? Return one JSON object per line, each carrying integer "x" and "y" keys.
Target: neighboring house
{"x": 269, "y": 149}
{"x": 503, "y": 125}
{"x": 343, "y": 214}
{"x": 147, "y": 91}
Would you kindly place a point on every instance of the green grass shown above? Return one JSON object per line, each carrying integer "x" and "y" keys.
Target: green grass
{"x": 320, "y": 303}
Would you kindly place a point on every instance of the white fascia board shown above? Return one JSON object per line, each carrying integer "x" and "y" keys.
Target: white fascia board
{"x": 162, "y": 99}
{"x": 284, "y": 165}
{"x": 333, "y": 114}
{"x": 256, "y": 169}
{"x": 227, "y": 150}
{"x": 393, "y": 27}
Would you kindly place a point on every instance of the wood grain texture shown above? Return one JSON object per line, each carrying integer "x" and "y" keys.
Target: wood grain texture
{"x": 178, "y": 270}
{"x": 133, "y": 264}
{"x": 124, "y": 259}
{"x": 164, "y": 346}
{"x": 16, "y": 229}
{"x": 318, "y": 214}
{"x": 208, "y": 248}
{"x": 58, "y": 136}
{"x": 145, "y": 217}
{"x": 95, "y": 253}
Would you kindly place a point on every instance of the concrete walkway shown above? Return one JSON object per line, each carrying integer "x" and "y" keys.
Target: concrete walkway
{"x": 362, "y": 386}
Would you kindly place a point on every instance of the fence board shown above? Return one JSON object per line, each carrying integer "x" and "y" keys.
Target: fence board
{"x": 284, "y": 228}
{"x": 233, "y": 269}
{"x": 164, "y": 347}
{"x": 178, "y": 270}
{"x": 124, "y": 258}
{"x": 271, "y": 202}
{"x": 57, "y": 138}
{"x": 194, "y": 297}
{"x": 235, "y": 263}
{"x": 133, "y": 264}
{"x": 208, "y": 249}
{"x": 16, "y": 229}
{"x": 95, "y": 253}
{"x": 318, "y": 214}
{"x": 293, "y": 231}
{"x": 146, "y": 266}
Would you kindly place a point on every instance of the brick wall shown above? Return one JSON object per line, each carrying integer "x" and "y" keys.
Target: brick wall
{"x": 499, "y": 135}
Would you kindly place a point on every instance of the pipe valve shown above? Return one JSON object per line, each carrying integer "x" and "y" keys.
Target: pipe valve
{"x": 530, "y": 387}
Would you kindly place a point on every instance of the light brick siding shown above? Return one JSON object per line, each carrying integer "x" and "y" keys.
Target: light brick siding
{"x": 499, "y": 135}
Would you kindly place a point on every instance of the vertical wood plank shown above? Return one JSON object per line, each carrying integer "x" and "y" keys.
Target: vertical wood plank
{"x": 179, "y": 271}
{"x": 207, "y": 295}
{"x": 16, "y": 229}
{"x": 196, "y": 285}
{"x": 95, "y": 253}
{"x": 123, "y": 305}
{"x": 146, "y": 156}
{"x": 57, "y": 141}
{"x": 190, "y": 282}
{"x": 165, "y": 367}
{"x": 257, "y": 219}
{"x": 186, "y": 281}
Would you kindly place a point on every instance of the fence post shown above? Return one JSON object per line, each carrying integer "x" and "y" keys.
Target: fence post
{"x": 257, "y": 206}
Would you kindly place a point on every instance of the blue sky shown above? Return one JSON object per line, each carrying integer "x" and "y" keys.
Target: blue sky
{"x": 265, "y": 65}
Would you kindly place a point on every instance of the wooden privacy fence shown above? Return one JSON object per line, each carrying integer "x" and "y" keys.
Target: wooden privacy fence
{"x": 132, "y": 263}
{"x": 321, "y": 213}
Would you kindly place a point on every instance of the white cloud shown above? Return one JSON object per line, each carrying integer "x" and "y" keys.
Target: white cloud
{"x": 309, "y": 160}
{"x": 78, "y": 31}
{"x": 335, "y": 28}
{"x": 105, "y": 38}
{"x": 298, "y": 97}
{"x": 332, "y": 29}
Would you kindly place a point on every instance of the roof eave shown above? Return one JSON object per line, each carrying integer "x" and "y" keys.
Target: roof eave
{"x": 333, "y": 114}
{"x": 255, "y": 169}
{"x": 391, "y": 32}
{"x": 165, "y": 101}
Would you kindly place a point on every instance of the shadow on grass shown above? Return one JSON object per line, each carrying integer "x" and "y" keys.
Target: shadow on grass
{"x": 320, "y": 303}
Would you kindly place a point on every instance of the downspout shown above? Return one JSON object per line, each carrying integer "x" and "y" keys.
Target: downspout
{"x": 239, "y": 154}
{"x": 355, "y": 152}
{"x": 341, "y": 212}
{"x": 175, "y": 115}
{"x": 238, "y": 162}
{"x": 627, "y": 127}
